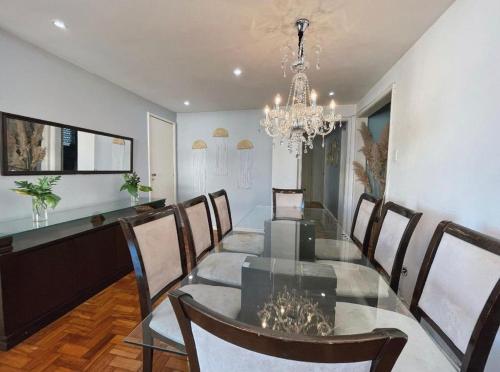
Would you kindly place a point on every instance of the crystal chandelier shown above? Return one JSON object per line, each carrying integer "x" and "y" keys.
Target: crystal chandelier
{"x": 301, "y": 119}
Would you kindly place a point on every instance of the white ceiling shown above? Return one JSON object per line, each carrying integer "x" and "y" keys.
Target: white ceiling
{"x": 170, "y": 51}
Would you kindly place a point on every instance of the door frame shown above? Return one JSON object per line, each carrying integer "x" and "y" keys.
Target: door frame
{"x": 174, "y": 127}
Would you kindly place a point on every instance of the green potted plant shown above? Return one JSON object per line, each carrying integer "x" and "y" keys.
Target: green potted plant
{"x": 41, "y": 194}
{"x": 133, "y": 186}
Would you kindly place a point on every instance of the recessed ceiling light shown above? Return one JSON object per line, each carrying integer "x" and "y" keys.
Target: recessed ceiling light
{"x": 59, "y": 24}
{"x": 237, "y": 71}
{"x": 186, "y": 103}
{"x": 331, "y": 94}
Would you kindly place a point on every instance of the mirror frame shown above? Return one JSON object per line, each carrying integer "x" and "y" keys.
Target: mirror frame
{"x": 7, "y": 172}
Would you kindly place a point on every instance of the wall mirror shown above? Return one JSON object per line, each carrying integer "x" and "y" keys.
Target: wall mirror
{"x": 33, "y": 146}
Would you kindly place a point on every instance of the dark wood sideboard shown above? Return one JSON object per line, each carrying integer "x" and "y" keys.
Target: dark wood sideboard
{"x": 45, "y": 272}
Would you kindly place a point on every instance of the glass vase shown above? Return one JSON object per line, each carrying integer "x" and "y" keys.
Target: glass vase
{"x": 134, "y": 199}
{"x": 39, "y": 210}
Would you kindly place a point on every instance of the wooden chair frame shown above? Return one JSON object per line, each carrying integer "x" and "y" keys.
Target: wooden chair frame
{"x": 365, "y": 244}
{"x": 145, "y": 300}
{"x": 214, "y": 196}
{"x": 192, "y": 249}
{"x": 382, "y": 346}
{"x": 486, "y": 328}
{"x": 413, "y": 217}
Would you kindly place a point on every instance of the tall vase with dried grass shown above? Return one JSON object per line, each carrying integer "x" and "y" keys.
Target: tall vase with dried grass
{"x": 373, "y": 174}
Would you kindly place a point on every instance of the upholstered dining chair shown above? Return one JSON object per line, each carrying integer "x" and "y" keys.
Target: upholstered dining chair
{"x": 361, "y": 232}
{"x": 288, "y": 204}
{"x": 456, "y": 296}
{"x": 156, "y": 246}
{"x": 359, "y": 281}
{"x": 458, "y": 292}
{"x": 217, "y": 343}
{"x": 221, "y": 267}
{"x": 234, "y": 242}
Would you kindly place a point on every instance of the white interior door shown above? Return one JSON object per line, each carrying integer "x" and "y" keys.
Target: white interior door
{"x": 161, "y": 142}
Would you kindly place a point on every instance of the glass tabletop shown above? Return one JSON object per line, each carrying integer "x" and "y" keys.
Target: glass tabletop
{"x": 305, "y": 277}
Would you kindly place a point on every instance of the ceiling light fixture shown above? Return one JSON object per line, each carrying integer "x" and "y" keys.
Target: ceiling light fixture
{"x": 331, "y": 94}
{"x": 237, "y": 71}
{"x": 59, "y": 24}
{"x": 186, "y": 103}
{"x": 301, "y": 119}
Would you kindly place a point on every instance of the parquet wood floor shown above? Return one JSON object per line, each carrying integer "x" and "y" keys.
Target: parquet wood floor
{"x": 90, "y": 338}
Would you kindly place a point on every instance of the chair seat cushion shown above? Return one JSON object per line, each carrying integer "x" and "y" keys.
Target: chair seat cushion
{"x": 421, "y": 353}
{"x": 223, "y": 267}
{"x": 357, "y": 280}
{"x": 252, "y": 243}
{"x": 224, "y": 300}
{"x": 337, "y": 250}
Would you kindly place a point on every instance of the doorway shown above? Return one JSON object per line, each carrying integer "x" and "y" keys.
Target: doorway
{"x": 162, "y": 162}
{"x": 323, "y": 171}
{"x": 313, "y": 168}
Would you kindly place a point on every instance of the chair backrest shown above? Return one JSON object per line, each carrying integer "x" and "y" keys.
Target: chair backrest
{"x": 362, "y": 224}
{"x": 222, "y": 212}
{"x": 288, "y": 198}
{"x": 156, "y": 246}
{"x": 397, "y": 227}
{"x": 217, "y": 343}
{"x": 195, "y": 214}
{"x": 458, "y": 290}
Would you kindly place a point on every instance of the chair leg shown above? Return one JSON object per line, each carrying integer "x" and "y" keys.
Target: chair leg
{"x": 147, "y": 359}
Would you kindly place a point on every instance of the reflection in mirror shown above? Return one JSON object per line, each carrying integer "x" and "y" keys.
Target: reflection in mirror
{"x": 32, "y": 146}
{"x": 98, "y": 152}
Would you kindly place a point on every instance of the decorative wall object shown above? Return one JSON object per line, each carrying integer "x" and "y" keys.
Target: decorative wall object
{"x": 245, "y": 153}
{"x": 373, "y": 175}
{"x": 333, "y": 155}
{"x": 221, "y": 135}
{"x": 34, "y": 146}
{"x": 199, "y": 165}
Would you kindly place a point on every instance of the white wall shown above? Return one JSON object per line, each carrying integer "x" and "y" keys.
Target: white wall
{"x": 445, "y": 126}
{"x": 37, "y": 84}
{"x": 241, "y": 125}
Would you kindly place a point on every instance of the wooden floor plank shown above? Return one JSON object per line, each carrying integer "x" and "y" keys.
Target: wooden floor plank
{"x": 90, "y": 338}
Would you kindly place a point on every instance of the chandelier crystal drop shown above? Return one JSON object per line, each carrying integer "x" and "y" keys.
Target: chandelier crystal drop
{"x": 301, "y": 119}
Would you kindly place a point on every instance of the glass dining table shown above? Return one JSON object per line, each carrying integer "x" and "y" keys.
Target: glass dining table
{"x": 310, "y": 278}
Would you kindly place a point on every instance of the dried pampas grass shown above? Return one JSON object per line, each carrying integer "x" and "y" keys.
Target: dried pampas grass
{"x": 25, "y": 150}
{"x": 376, "y": 159}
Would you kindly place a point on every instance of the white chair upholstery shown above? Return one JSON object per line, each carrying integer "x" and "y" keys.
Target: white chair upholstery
{"x": 215, "y": 355}
{"x": 358, "y": 281}
{"x": 252, "y": 243}
{"x": 391, "y": 233}
{"x": 289, "y": 200}
{"x": 201, "y": 229}
{"x": 159, "y": 247}
{"x": 337, "y": 250}
{"x": 223, "y": 211}
{"x": 362, "y": 220}
{"x": 420, "y": 354}
{"x": 224, "y": 268}
{"x": 460, "y": 280}
{"x": 224, "y": 300}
